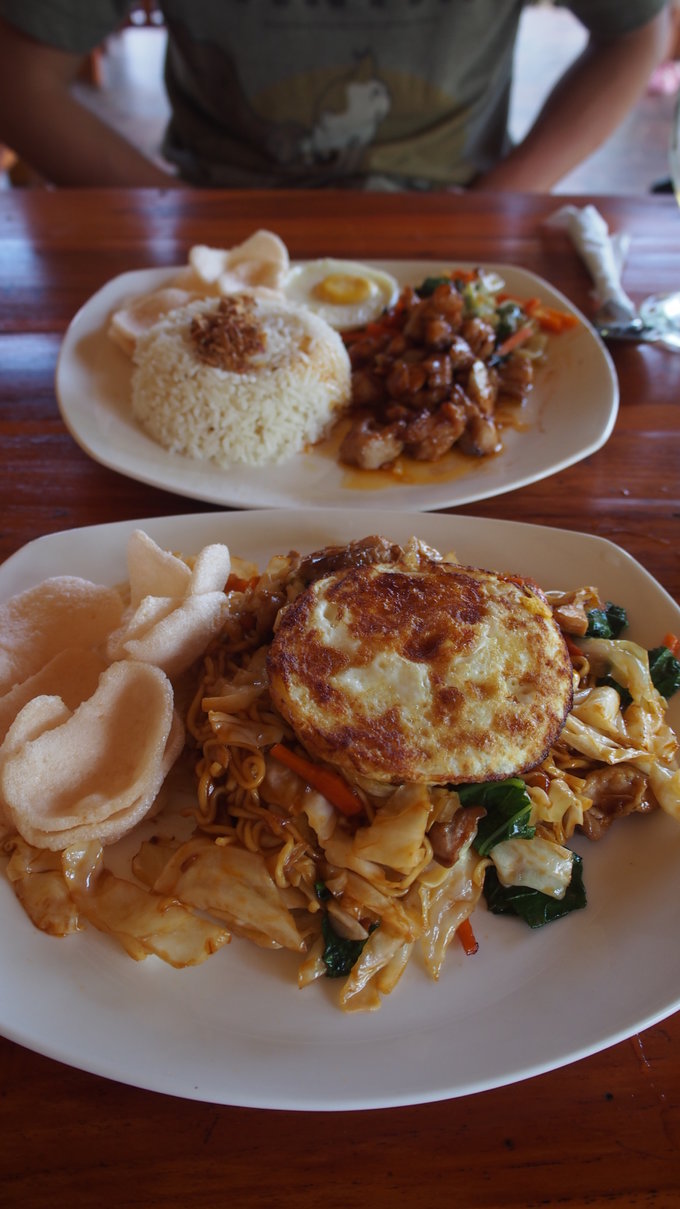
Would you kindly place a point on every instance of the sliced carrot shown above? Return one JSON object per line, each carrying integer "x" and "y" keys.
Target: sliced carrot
{"x": 533, "y": 305}
{"x": 515, "y": 340}
{"x": 556, "y": 321}
{"x": 548, "y": 317}
{"x": 387, "y": 322}
{"x": 573, "y": 648}
{"x": 467, "y": 937}
{"x": 672, "y": 642}
{"x": 329, "y": 783}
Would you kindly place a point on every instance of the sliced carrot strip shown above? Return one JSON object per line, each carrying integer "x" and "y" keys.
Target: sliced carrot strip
{"x": 329, "y": 783}
{"x": 574, "y": 649}
{"x": 672, "y": 641}
{"x": 467, "y": 937}
{"x": 515, "y": 340}
{"x": 548, "y": 317}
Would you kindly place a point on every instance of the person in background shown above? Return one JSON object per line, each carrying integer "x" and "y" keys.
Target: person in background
{"x": 395, "y": 94}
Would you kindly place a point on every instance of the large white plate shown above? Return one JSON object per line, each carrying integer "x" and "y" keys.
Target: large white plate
{"x": 569, "y": 415}
{"x": 236, "y": 1030}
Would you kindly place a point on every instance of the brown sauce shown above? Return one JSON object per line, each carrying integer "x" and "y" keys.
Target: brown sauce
{"x": 408, "y": 471}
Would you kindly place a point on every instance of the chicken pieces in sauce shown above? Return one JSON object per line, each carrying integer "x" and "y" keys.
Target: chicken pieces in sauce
{"x": 427, "y": 379}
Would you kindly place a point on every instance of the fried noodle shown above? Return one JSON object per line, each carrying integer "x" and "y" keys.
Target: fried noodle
{"x": 248, "y": 799}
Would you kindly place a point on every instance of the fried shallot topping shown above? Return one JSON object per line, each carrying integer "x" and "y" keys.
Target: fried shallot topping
{"x": 229, "y": 337}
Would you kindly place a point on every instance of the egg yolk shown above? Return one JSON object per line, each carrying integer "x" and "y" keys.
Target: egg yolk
{"x": 342, "y": 289}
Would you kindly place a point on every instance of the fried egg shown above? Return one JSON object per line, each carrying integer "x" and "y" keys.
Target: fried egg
{"x": 343, "y": 292}
{"x": 440, "y": 674}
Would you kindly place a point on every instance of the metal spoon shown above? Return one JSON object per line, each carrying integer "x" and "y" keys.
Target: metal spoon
{"x": 615, "y": 321}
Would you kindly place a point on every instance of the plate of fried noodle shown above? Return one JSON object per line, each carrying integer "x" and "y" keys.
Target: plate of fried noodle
{"x": 332, "y": 944}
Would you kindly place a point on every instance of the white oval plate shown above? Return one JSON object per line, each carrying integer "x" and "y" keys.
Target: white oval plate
{"x": 568, "y": 416}
{"x": 237, "y": 1031}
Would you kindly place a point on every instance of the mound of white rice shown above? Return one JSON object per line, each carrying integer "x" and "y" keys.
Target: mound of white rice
{"x": 285, "y": 397}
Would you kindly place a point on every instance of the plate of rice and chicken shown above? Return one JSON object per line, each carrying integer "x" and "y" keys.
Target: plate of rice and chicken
{"x": 246, "y": 380}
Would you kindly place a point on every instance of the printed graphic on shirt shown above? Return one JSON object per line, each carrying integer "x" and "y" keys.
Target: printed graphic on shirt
{"x": 349, "y": 114}
{"x": 359, "y": 113}
{"x": 320, "y": 117}
{"x": 363, "y": 120}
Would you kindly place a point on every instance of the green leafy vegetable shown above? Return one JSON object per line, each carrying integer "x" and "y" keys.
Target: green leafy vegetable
{"x": 607, "y": 622}
{"x": 508, "y": 807}
{"x": 664, "y": 669}
{"x": 429, "y": 285}
{"x": 534, "y": 907}
{"x": 510, "y": 318}
{"x": 339, "y": 954}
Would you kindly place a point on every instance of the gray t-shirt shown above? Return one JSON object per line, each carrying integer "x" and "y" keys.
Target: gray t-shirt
{"x": 311, "y": 93}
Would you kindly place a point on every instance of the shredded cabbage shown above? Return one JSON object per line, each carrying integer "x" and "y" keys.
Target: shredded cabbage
{"x": 537, "y": 863}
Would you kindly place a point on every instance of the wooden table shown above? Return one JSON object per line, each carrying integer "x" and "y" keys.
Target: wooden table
{"x": 602, "y": 1131}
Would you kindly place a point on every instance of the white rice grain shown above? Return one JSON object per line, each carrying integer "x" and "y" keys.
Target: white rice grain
{"x": 289, "y": 397}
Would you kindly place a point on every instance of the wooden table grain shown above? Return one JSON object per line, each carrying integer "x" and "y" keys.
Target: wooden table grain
{"x": 603, "y": 1131}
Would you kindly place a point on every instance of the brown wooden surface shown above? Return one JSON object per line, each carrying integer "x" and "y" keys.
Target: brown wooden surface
{"x": 603, "y": 1131}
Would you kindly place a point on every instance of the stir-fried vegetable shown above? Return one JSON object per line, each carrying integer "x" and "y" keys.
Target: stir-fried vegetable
{"x": 608, "y": 622}
{"x": 548, "y": 317}
{"x": 511, "y": 318}
{"x": 429, "y": 285}
{"x": 329, "y": 783}
{"x": 339, "y": 954}
{"x": 508, "y": 808}
{"x": 664, "y": 664}
{"x": 515, "y": 320}
{"x": 516, "y": 340}
{"x": 467, "y": 937}
{"x": 664, "y": 669}
{"x": 672, "y": 641}
{"x": 528, "y": 872}
{"x": 534, "y": 907}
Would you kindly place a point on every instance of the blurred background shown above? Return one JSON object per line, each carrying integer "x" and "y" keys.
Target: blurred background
{"x": 123, "y": 82}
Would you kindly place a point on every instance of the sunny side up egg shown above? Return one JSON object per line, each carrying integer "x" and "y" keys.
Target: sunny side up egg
{"x": 343, "y": 292}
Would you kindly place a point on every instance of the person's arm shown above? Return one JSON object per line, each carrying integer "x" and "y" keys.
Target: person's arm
{"x": 46, "y": 126}
{"x": 584, "y": 108}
